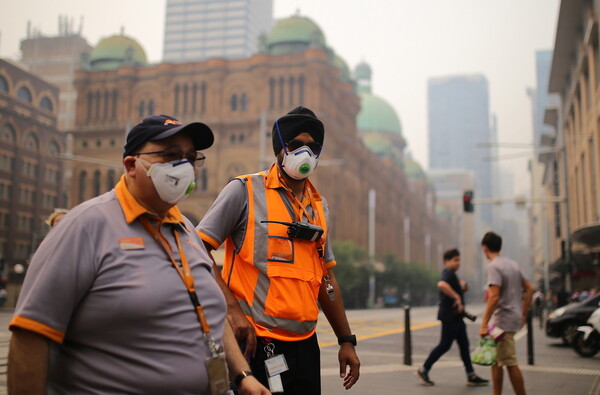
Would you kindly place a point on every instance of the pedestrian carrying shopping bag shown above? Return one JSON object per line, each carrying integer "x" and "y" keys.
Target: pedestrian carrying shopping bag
{"x": 485, "y": 352}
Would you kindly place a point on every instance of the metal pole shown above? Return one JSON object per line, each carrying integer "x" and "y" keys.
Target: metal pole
{"x": 530, "y": 359}
{"x": 407, "y": 337}
{"x": 372, "y": 196}
{"x": 568, "y": 285}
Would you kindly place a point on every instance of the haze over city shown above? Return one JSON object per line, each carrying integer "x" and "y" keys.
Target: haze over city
{"x": 404, "y": 42}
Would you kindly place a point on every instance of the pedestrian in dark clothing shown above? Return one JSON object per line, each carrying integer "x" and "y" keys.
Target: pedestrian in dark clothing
{"x": 451, "y": 313}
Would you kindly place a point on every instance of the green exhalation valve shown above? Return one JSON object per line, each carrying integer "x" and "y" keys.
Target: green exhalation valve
{"x": 305, "y": 168}
{"x": 190, "y": 188}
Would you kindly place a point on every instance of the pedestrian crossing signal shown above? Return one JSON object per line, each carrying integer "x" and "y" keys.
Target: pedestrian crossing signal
{"x": 468, "y": 202}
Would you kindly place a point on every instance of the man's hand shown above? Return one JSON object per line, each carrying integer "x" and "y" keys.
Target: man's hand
{"x": 242, "y": 330}
{"x": 251, "y": 386}
{"x": 459, "y": 306}
{"x": 349, "y": 365}
{"x": 483, "y": 331}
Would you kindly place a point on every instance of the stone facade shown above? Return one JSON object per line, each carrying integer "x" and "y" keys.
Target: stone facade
{"x": 240, "y": 100}
{"x": 31, "y": 172}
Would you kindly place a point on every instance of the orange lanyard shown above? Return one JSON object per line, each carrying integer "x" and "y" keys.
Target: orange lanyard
{"x": 300, "y": 208}
{"x": 184, "y": 270}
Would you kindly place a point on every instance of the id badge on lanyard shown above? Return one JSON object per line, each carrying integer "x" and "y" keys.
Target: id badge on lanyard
{"x": 218, "y": 374}
{"x": 275, "y": 365}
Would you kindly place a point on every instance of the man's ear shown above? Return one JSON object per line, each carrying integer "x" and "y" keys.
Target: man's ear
{"x": 129, "y": 162}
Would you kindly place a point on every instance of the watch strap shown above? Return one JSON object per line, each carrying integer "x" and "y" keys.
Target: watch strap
{"x": 347, "y": 339}
{"x": 238, "y": 379}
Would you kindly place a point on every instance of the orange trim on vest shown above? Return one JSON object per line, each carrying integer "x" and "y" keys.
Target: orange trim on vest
{"x": 37, "y": 327}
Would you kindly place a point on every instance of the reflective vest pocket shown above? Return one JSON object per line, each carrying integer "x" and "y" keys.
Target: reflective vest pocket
{"x": 292, "y": 292}
{"x": 281, "y": 249}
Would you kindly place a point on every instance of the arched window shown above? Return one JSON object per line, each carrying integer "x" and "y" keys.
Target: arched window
{"x": 97, "y": 183}
{"x": 53, "y": 148}
{"x": 234, "y": 102}
{"x": 111, "y": 179}
{"x": 90, "y": 105}
{"x": 8, "y": 135}
{"x": 301, "y": 90}
{"x": 31, "y": 142}
{"x": 106, "y": 104}
{"x": 151, "y": 107}
{"x": 3, "y": 84}
{"x": 142, "y": 109}
{"x": 185, "y": 99}
{"x": 281, "y": 88}
{"x": 271, "y": 93}
{"x": 46, "y": 104}
{"x": 194, "y": 98}
{"x": 97, "y": 105}
{"x": 82, "y": 185}
{"x": 176, "y": 111}
{"x": 291, "y": 82}
{"x": 244, "y": 102}
{"x": 115, "y": 98}
{"x": 24, "y": 94}
{"x": 203, "y": 96}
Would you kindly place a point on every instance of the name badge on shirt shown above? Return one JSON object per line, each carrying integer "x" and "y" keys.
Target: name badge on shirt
{"x": 132, "y": 243}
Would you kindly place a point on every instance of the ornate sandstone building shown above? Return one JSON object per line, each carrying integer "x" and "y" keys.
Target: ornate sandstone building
{"x": 240, "y": 100}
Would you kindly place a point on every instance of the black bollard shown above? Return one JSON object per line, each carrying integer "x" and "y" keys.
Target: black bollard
{"x": 530, "y": 338}
{"x": 407, "y": 337}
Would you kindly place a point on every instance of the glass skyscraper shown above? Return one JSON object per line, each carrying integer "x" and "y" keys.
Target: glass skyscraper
{"x": 459, "y": 127}
{"x": 202, "y": 29}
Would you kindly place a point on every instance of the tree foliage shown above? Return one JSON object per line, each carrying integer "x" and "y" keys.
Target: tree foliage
{"x": 396, "y": 282}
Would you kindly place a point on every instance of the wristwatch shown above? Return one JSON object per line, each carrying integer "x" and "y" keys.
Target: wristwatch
{"x": 238, "y": 379}
{"x": 347, "y": 339}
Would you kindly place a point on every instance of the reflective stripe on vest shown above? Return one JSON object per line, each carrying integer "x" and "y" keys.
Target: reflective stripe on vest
{"x": 263, "y": 285}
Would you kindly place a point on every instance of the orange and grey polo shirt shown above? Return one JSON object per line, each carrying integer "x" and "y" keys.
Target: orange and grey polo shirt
{"x": 117, "y": 312}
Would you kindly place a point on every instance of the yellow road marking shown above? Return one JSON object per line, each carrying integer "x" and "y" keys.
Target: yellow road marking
{"x": 386, "y": 333}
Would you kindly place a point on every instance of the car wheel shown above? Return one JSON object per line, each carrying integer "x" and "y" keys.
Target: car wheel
{"x": 569, "y": 332}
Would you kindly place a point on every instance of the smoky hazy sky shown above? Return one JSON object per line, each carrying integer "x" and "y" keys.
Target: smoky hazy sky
{"x": 405, "y": 42}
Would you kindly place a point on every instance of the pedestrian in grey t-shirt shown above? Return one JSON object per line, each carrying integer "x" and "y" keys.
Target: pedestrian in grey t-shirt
{"x": 509, "y": 298}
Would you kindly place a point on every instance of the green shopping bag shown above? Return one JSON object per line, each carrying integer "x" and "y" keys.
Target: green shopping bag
{"x": 485, "y": 352}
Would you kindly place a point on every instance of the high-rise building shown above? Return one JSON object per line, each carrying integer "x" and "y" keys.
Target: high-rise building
{"x": 55, "y": 59}
{"x": 203, "y": 29}
{"x": 543, "y": 137}
{"x": 460, "y": 128}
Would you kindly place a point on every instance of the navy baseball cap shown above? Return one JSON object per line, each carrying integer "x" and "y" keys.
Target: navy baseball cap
{"x": 160, "y": 127}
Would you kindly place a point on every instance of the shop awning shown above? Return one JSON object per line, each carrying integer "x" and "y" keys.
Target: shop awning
{"x": 588, "y": 235}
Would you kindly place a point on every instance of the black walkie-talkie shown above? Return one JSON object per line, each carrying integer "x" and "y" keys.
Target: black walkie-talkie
{"x": 300, "y": 230}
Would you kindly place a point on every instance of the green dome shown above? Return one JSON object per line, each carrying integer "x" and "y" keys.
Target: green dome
{"x": 295, "y": 34}
{"x": 340, "y": 63}
{"x": 114, "y": 51}
{"x": 413, "y": 169}
{"x": 376, "y": 115}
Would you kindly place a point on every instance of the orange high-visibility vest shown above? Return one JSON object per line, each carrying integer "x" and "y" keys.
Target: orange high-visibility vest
{"x": 275, "y": 279}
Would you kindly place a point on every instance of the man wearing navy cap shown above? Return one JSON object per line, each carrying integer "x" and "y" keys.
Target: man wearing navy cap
{"x": 279, "y": 263}
{"x": 135, "y": 307}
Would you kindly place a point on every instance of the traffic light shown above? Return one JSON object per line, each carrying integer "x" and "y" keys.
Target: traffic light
{"x": 468, "y": 202}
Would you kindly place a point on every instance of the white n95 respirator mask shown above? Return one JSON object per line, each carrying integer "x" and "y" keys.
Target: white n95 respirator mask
{"x": 174, "y": 181}
{"x": 299, "y": 163}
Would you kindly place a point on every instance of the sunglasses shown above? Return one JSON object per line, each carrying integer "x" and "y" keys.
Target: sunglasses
{"x": 315, "y": 147}
{"x": 173, "y": 154}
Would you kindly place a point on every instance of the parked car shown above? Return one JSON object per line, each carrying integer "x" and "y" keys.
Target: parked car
{"x": 563, "y": 322}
